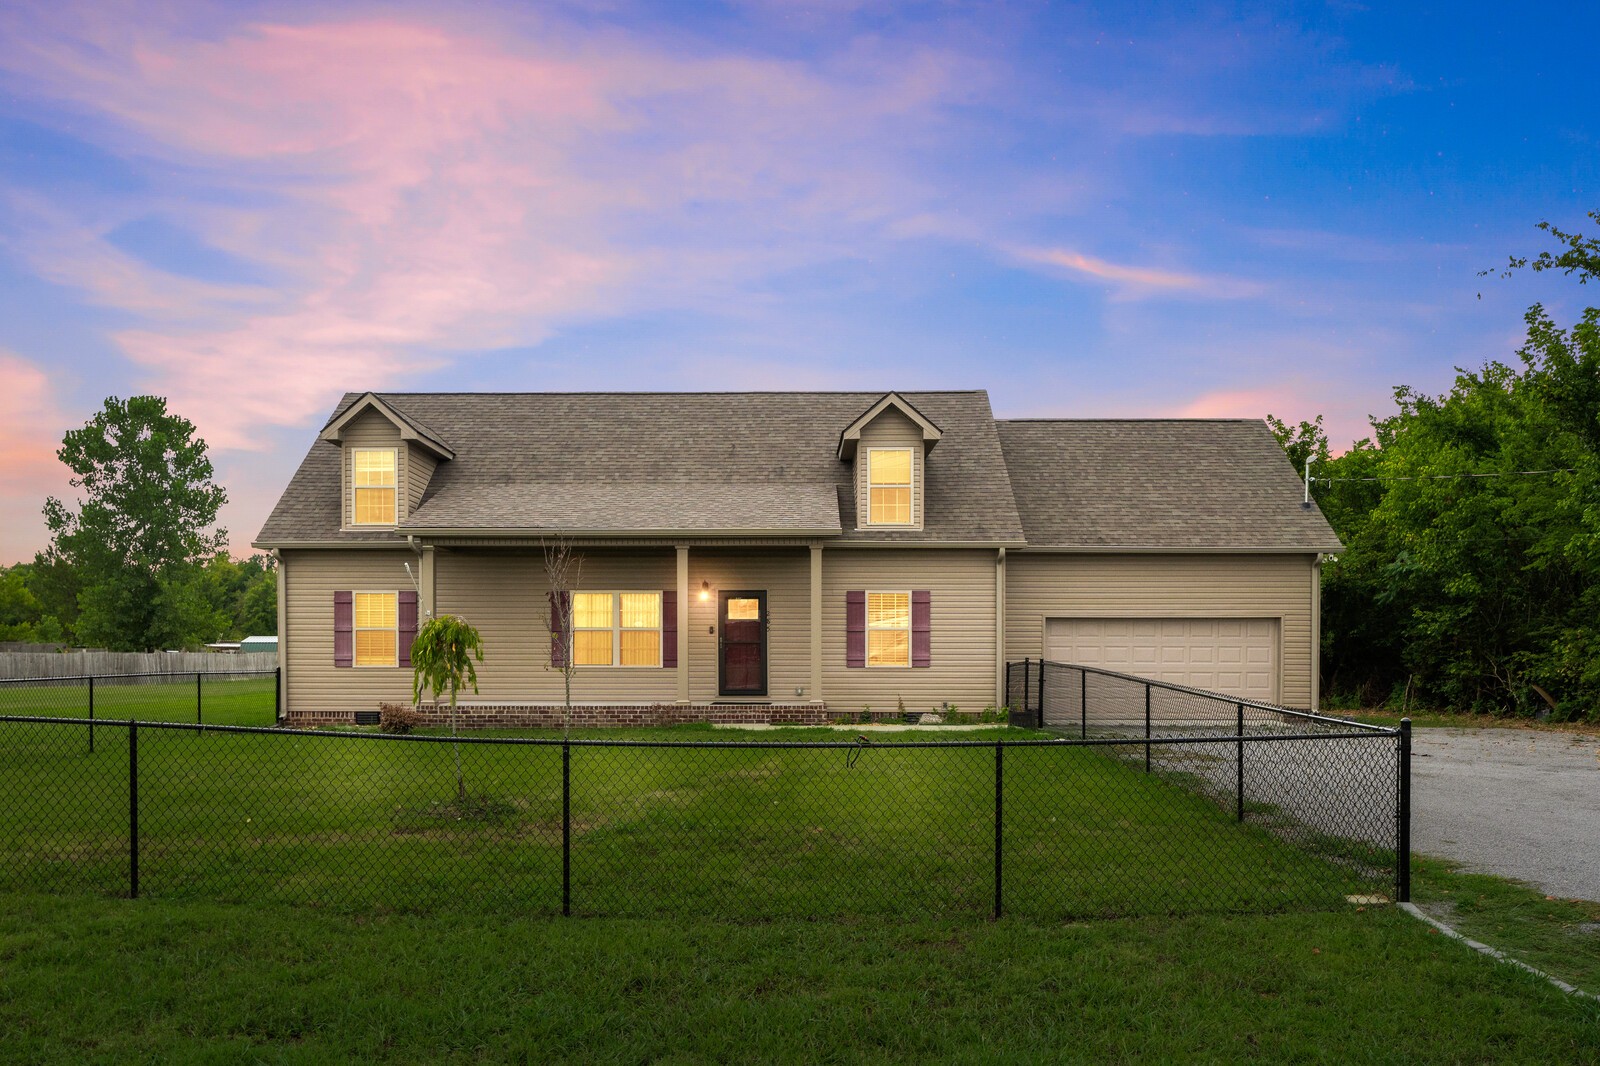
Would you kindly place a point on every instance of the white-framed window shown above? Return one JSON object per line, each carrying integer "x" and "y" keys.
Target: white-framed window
{"x": 377, "y": 628}
{"x": 616, "y": 629}
{"x": 373, "y": 486}
{"x": 888, "y": 629}
{"x": 889, "y": 473}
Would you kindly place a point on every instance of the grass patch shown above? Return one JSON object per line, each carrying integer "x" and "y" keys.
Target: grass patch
{"x": 102, "y": 981}
{"x": 1559, "y": 936}
{"x": 364, "y": 824}
{"x": 1430, "y": 719}
{"x": 220, "y": 701}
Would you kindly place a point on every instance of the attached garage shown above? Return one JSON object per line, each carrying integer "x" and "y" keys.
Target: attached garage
{"x": 1238, "y": 656}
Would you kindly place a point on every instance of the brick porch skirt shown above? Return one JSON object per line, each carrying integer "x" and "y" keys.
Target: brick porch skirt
{"x": 548, "y": 715}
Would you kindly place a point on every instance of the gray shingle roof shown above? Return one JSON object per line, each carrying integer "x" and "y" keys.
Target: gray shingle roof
{"x": 615, "y": 444}
{"x": 798, "y": 508}
{"x": 1183, "y": 484}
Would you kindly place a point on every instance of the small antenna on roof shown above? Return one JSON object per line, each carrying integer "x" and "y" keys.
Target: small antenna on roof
{"x": 1306, "y": 503}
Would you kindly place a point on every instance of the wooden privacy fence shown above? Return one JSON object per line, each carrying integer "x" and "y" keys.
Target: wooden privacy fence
{"x": 14, "y": 664}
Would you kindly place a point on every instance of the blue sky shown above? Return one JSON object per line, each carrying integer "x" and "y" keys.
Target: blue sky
{"x": 1086, "y": 209}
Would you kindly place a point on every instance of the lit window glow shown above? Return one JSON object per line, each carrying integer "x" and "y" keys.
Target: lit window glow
{"x": 373, "y": 482}
{"x": 616, "y": 629}
{"x": 377, "y": 623}
{"x": 888, "y": 629}
{"x": 889, "y": 486}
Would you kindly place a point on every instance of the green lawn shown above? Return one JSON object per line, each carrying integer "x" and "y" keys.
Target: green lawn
{"x": 109, "y": 981}
{"x": 358, "y": 824}
{"x": 222, "y": 700}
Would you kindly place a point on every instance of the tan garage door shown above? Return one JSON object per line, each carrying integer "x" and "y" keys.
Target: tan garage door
{"x": 1238, "y": 656}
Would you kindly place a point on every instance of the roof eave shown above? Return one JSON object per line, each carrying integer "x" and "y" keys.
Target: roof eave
{"x": 1322, "y": 548}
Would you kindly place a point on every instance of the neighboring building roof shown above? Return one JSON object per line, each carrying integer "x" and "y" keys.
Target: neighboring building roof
{"x": 1154, "y": 484}
{"x": 631, "y": 452}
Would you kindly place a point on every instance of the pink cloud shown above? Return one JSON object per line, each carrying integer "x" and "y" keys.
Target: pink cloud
{"x": 1134, "y": 281}
{"x": 31, "y": 426}
{"x": 434, "y": 189}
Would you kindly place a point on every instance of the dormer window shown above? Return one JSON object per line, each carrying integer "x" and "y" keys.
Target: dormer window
{"x": 889, "y": 486}
{"x": 373, "y": 482}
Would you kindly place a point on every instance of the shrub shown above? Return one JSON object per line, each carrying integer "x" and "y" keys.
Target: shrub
{"x": 398, "y": 718}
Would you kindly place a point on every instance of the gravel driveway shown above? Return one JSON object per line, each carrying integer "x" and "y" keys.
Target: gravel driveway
{"x": 1514, "y": 802}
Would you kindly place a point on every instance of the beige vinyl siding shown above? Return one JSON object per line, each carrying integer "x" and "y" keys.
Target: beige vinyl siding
{"x": 420, "y": 465}
{"x": 310, "y": 578}
{"x": 1042, "y": 585}
{"x": 891, "y": 429}
{"x": 785, "y": 575}
{"x": 372, "y": 430}
{"x": 505, "y": 595}
{"x": 962, "y": 587}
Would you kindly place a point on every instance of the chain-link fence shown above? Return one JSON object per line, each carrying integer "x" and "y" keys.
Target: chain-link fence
{"x": 213, "y": 697}
{"x": 1047, "y": 828}
{"x": 1324, "y": 784}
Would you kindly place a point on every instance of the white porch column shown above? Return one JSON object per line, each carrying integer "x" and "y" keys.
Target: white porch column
{"x": 683, "y": 623}
{"x": 816, "y": 624}
{"x": 1000, "y": 629}
{"x": 425, "y": 583}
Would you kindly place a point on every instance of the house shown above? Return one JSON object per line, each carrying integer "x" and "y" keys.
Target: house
{"x": 259, "y": 644}
{"x": 776, "y": 556}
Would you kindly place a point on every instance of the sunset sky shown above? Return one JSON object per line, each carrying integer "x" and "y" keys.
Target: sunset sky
{"x": 1087, "y": 210}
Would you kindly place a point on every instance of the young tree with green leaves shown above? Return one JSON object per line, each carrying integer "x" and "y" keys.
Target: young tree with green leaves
{"x": 443, "y": 660}
{"x": 143, "y": 528}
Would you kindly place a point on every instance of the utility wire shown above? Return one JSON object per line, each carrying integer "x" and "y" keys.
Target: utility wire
{"x": 1447, "y": 477}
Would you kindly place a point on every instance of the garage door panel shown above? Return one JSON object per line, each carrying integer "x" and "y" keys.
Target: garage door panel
{"x": 1238, "y": 656}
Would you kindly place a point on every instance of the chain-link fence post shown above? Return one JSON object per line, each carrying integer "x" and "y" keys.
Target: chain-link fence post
{"x": 998, "y": 750}
{"x": 566, "y": 828}
{"x": 1040, "y": 719}
{"x": 1147, "y": 727}
{"x": 1083, "y": 703}
{"x": 198, "y": 720}
{"x": 91, "y": 714}
{"x": 133, "y": 809}
{"x": 1403, "y": 817}
{"x": 1239, "y": 763}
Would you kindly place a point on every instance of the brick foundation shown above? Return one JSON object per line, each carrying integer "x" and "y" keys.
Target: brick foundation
{"x": 548, "y": 716}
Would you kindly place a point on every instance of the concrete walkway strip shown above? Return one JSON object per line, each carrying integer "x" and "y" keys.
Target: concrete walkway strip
{"x": 1493, "y": 953}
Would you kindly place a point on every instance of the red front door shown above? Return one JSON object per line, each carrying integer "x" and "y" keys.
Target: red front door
{"x": 742, "y": 662}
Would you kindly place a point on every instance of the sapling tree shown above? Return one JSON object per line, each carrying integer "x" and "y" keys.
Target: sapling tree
{"x": 563, "y": 569}
{"x": 442, "y": 659}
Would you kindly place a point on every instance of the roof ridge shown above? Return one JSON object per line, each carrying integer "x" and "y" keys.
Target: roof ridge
{"x": 680, "y": 392}
{"x": 1154, "y": 418}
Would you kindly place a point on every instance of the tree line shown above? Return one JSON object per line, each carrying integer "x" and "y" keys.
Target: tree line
{"x": 138, "y": 562}
{"x": 1470, "y": 577}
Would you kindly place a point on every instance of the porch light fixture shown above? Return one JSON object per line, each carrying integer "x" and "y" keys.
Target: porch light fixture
{"x": 705, "y": 591}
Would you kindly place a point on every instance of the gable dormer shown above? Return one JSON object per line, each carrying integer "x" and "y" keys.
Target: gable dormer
{"x": 386, "y": 462}
{"x": 889, "y": 445}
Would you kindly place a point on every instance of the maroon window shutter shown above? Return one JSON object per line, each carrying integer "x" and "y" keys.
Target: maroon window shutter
{"x": 559, "y": 613}
{"x": 408, "y": 624}
{"x": 344, "y": 629}
{"x": 669, "y": 630}
{"x": 855, "y": 629}
{"x": 921, "y": 629}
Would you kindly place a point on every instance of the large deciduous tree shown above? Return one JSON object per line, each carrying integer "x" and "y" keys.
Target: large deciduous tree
{"x": 143, "y": 527}
{"x": 1471, "y": 520}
